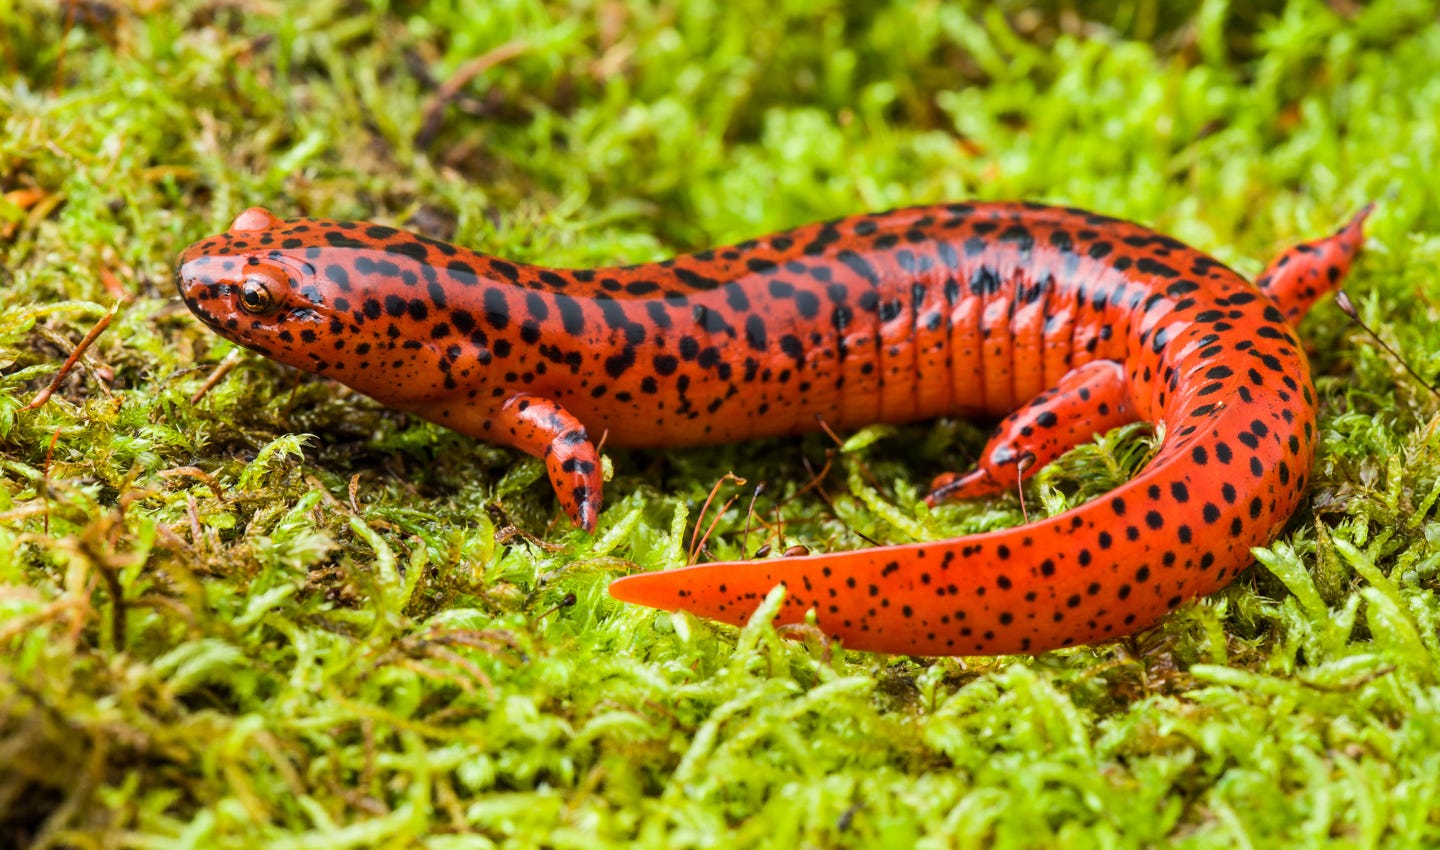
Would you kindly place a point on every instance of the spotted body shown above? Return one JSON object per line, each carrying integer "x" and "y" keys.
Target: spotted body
{"x": 1063, "y": 322}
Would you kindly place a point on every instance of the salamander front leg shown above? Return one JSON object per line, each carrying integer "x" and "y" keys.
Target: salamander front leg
{"x": 544, "y": 429}
{"x": 1089, "y": 400}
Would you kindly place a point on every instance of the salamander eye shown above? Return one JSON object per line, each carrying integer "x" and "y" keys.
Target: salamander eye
{"x": 255, "y": 296}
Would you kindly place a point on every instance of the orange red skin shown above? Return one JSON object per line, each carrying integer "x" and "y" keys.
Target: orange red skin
{"x": 1064, "y": 322}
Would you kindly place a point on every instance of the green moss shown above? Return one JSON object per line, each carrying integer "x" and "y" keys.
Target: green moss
{"x": 284, "y": 616}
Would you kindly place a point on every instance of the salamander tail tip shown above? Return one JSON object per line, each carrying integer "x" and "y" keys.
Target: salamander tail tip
{"x": 642, "y": 589}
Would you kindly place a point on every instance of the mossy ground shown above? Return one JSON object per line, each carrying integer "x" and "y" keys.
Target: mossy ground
{"x": 281, "y": 616}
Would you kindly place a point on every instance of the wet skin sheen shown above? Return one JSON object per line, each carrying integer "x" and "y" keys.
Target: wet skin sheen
{"x": 1064, "y": 322}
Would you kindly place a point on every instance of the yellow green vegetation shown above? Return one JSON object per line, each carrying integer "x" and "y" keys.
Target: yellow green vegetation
{"x": 280, "y": 616}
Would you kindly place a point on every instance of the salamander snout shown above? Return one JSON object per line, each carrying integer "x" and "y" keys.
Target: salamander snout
{"x": 202, "y": 290}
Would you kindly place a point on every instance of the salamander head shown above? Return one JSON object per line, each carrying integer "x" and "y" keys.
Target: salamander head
{"x": 249, "y": 293}
{"x": 346, "y": 300}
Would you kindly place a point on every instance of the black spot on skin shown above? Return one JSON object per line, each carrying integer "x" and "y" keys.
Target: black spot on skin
{"x": 713, "y": 321}
{"x": 617, "y": 364}
{"x": 947, "y": 255}
{"x": 571, "y": 316}
{"x": 792, "y": 346}
{"x": 497, "y": 309}
{"x": 696, "y": 281}
{"x": 755, "y": 332}
{"x": 461, "y": 272}
{"x": 1149, "y": 266}
{"x": 1018, "y": 235}
{"x": 614, "y": 314}
{"x": 414, "y": 249}
{"x": 859, "y": 265}
{"x": 536, "y": 307}
{"x": 659, "y": 316}
{"x": 337, "y": 275}
{"x": 505, "y": 270}
{"x": 807, "y": 304}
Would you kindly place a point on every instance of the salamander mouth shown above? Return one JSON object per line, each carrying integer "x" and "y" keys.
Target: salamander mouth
{"x": 202, "y": 314}
{"x": 197, "y": 293}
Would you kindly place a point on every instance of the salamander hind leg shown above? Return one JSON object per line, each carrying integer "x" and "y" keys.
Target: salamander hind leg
{"x": 1088, "y": 400}
{"x": 542, "y": 428}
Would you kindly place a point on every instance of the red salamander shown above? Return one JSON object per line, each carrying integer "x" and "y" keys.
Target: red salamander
{"x": 1064, "y": 322}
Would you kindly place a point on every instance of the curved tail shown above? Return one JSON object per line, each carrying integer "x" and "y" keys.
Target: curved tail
{"x": 1103, "y": 570}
